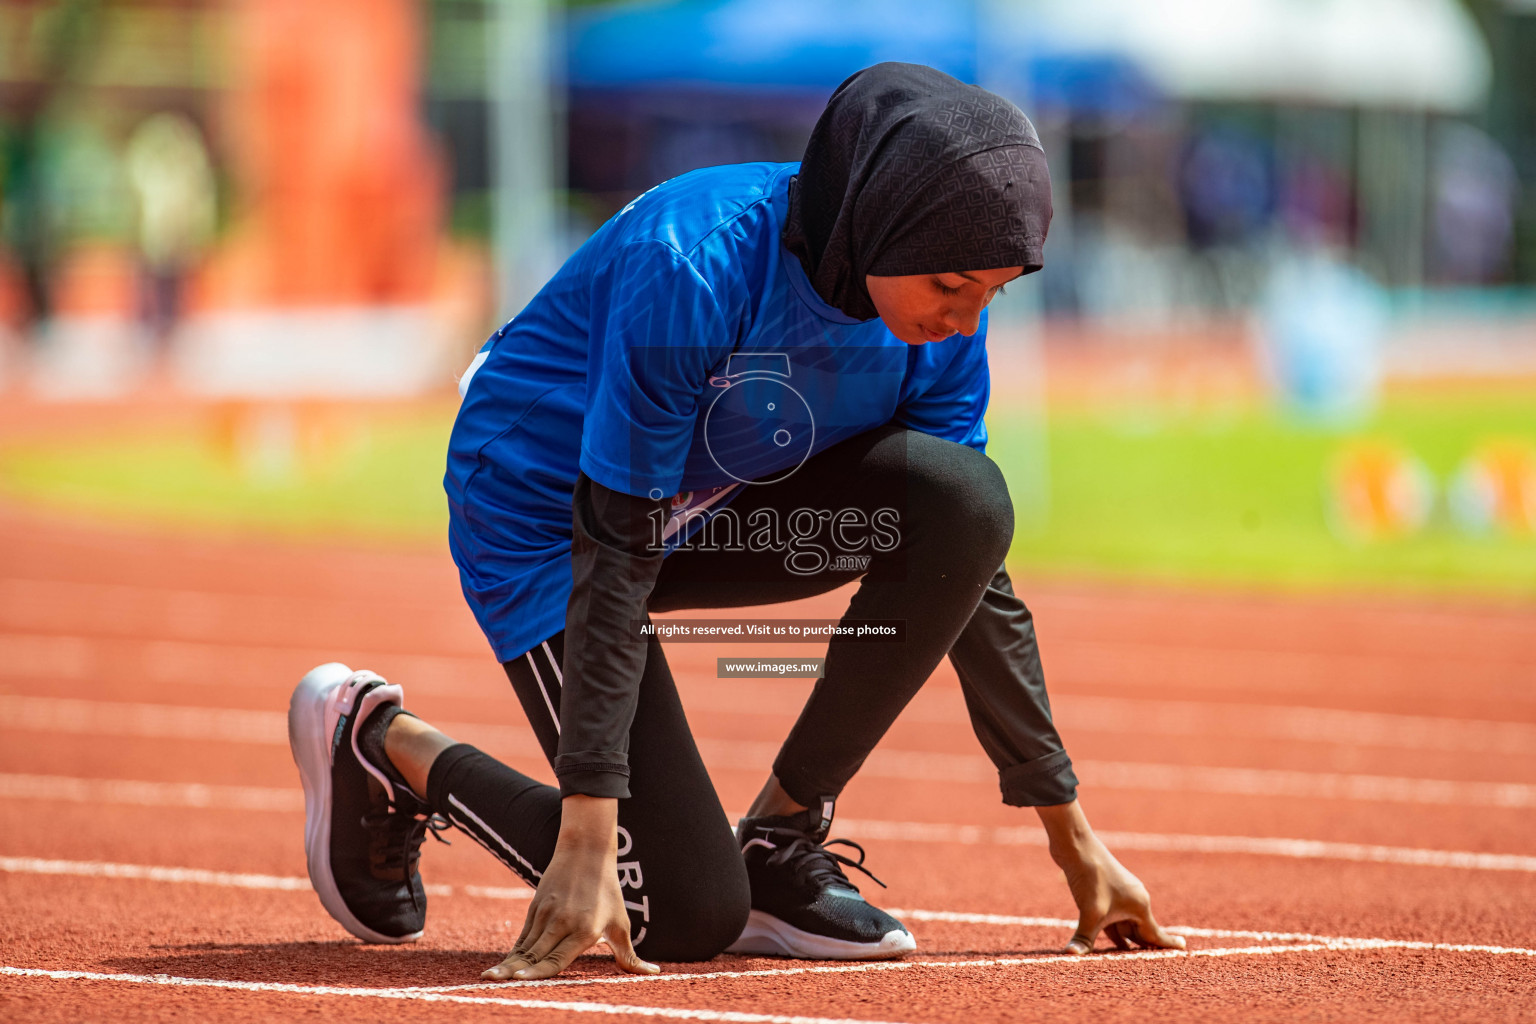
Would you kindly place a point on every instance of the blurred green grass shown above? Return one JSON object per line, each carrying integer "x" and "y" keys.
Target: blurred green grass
{"x": 1238, "y": 497}
{"x": 1231, "y": 496}
{"x": 377, "y": 477}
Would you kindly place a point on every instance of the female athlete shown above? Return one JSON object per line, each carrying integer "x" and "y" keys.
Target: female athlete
{"x": 753, "y": 384}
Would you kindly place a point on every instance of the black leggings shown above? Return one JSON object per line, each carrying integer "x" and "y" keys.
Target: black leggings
{"x": 681, "y": 870}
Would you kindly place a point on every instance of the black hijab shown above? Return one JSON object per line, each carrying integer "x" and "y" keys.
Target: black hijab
{"x": 910, "y": 171}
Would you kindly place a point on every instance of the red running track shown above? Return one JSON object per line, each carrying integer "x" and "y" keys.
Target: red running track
{"x": 1336, "y": 797}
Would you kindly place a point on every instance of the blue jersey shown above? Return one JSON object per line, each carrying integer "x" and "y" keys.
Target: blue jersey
{"x": 680, "y": 352}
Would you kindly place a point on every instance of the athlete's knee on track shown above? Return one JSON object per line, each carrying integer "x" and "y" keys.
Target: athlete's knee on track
{"x": 699, "y": 922}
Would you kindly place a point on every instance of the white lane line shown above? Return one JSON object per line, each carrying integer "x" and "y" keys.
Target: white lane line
{"x": 905, "y": 965}
{"x": 1289, "y": 942}
{"x": 1339, "y": 945}
{"x": 1507, "y": 636}
{"x": 40, "y": 605}
{"x": 150, "y": 873}
{"x": 150, "y": 721}
{"x": 1080, "y": 714}
{"x": 1316, "y": 849}
{"x": 192, "y": 663}
{"x": 223, "y": 879}
{"x": 1076, "y": 714}
{"x": 1263, "y": 846}
{"x": 81, "y": 658}
{"x": 150, "y": 794}
{"x": 292, "y": 883}
{"x": 1307, "y": 785}
{"x": 256, "y": 798}
{"x": 1331, "y": 941}
{"x": 224, "y": 725}
{"x": 166, "y": 721}
{"x": 449, "y": 993}
{"x": 430, "y": 996}
{"x": 498, "y": 892}
{"x": 243, "y": 880}
{"x": 1269, "y": 782}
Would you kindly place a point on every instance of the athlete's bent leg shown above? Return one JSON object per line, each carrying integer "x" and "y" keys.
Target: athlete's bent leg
{"x": 953, "y": 522}
{"x": 955, "y": 530}
{"x": 946, "y": 521}
{"x": 679, "y": 867}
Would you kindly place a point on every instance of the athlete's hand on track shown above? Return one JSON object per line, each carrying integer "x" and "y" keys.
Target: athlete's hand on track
{"x": 578, "y": 900}
{"x": 1112, "y": 900}
{"x": 1109, "y": 898}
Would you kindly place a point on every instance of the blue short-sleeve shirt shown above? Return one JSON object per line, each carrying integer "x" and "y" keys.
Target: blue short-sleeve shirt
{"x": 679, "y": 352}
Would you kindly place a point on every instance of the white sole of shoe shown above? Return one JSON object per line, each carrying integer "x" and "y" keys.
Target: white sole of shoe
{"x": 312, "y": 719}
{"x": 766, "y": 935}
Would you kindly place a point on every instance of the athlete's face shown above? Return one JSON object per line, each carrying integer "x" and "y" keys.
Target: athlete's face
{"x": 919, "y": 308}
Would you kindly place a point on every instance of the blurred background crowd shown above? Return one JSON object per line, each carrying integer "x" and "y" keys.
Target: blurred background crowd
{"x": 1311, "y": 220}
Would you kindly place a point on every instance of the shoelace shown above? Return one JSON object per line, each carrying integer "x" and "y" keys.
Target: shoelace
{"x": 402, "y": 849}
{"x": 814, "y": 864}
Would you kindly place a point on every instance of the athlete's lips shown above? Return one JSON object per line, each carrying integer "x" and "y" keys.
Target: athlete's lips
{"x": 933, "y": 335}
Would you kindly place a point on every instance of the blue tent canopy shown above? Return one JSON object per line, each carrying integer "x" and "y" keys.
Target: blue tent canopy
{"x": 812, "y": 45}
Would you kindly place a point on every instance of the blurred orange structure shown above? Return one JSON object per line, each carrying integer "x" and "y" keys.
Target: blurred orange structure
{"x": 96, "y": 279}
{"x": 1379, "y": 490}
{"x": 1496, "y": 487}
{"x": 341, "y": 188}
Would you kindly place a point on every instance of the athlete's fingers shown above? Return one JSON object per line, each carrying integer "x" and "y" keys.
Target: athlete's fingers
{"x": 556, "y": 960}
{"x": 558, "y": 931}
{"x": 1148, "y": 934}
{"x": 533, "y": 922}
{"x": 1082, "y": 940}
{"x": 624, "y": 953}
{"x": 1116, "y": 933}
{"x": 535, "y": 927}
{"x": 507, "y": 968}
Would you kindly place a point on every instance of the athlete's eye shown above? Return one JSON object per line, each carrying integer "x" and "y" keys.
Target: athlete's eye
{"x": 945, "y": 289}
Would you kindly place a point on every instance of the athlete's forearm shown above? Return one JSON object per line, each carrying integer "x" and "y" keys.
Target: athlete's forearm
{"x": 998, "y": 662}
{"x": 614, "y": 568}
{"x": 1070, "y": 836}
{"x": 588, "y": 823}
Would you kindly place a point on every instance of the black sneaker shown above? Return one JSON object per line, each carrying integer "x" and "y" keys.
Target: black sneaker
{"x": 803, "y": 905}
{"x": 362, "y": 833}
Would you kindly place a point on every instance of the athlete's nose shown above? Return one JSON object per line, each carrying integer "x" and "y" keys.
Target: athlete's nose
{"x": 963, "y": 321}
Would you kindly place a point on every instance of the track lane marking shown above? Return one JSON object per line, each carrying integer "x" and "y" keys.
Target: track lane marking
{"x": 449, "y": 993}
{"x": 1339, "y": 945}
{"x": 100, "y": 869}
{"x": 201, "y": 796}
{"x": 149, "y": 794}
{"x": 181, "y": 607}
{"x": 921, "y": 765}
{"x": 430, "y": 996}
{"x": 1156, "y": 842}
{"x": 72, "y": 657}
{"x": 1330, "y": 941}
{"x": 222, "y": 879}
{"x": 1081, "y": 713}
{"x": 169, "y": 721}
{"x": 1113, "y": 715}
